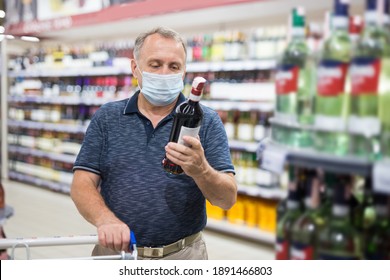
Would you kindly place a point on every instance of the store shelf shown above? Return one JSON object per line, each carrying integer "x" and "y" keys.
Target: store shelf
{"x": 69, "y": 128}
{"x": 262, "y": 192}
{"x": 241, "y": 231}
{"x": 5, "y": 213}
{"x": 55, "y": 186}
{"x": 276, "y": 155}
{"x": 71, "y": 72}
{"x": 243, "y": 145}
{"x": 239, "y": 65}
{"x": 229, "y": 105}
{"x": 62, "y": 100}
{"x": 39, "y": 153}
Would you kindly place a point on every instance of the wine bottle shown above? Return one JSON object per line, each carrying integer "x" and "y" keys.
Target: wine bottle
{"x": 295, "y": 81}
{"x": 291, "y": 214}
{"x": 339, "y": 239}
{"x": 305, "y": 229}
{"x": 369, "y": 79}
{"x": 187, "y": 121}
{"x": 377, "y": 243}
{"x": 331, "y": 108}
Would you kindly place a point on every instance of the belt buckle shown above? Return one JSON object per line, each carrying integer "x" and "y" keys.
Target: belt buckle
{"x": 153, "y": 252}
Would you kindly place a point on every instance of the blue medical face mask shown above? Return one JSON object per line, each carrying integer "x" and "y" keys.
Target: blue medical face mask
{"x": 161, "y": 90}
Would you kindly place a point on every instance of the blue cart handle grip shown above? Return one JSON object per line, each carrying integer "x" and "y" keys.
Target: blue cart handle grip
{"x": 133, "y": 242}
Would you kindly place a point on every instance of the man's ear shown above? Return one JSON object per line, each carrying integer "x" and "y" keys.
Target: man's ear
{"x": 134, "y": 67}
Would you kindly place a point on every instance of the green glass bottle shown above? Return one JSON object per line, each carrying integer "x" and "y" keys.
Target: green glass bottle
{"x": 294, "y": 82}
{"x": 292, "y": 211}
{"x": 332, "y": 98}
{"x": 384, "y": 98}
{"x": 305, "y": 229}
{"x": 377, "y": 242}
{"x": 369, "y": 76}
{"x": 338, "y": 239}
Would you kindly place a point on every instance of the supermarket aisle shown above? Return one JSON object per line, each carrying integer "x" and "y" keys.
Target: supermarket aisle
{"x": 39, "y": 212}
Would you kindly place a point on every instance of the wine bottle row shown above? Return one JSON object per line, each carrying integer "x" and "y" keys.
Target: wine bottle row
{"x": 335, "y": 100}
{"x": 329, "y": 216}
{"x": 45, "y": 140}
{"x": 259, "y": 43}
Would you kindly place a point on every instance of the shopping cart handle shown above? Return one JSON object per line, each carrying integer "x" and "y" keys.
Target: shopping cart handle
{"x": 133, "y": 241}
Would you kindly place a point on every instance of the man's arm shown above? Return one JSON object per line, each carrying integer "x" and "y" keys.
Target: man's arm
{"x": 217, "y": 187}
{"x": 112, "y": 232}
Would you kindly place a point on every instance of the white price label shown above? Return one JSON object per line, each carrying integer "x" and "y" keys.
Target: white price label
{"x": 381, "y": 177}
{"x": 273, "y": 160}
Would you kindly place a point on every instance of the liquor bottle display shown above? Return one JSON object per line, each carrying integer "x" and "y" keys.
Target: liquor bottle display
{"x": 331, "y": 109}
{"x": 370, "y": 76}
{"x": 187, "y": 121}
{"x": 294, "y": 81}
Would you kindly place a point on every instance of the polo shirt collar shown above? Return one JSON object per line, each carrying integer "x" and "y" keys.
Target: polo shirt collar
{"x": 132, "y": 103}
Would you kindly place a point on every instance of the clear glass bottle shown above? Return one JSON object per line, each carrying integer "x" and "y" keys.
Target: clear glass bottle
{"x": 295, "y": 81}
{"x": 187, "y": 121}
{"x": 384, "y": 98}
{"x": 332, "y": 99}
{"x": 368, "y": 76}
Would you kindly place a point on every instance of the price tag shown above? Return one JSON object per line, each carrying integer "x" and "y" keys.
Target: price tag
{"x": 273, "y": 159}
{"x": 381, "y": 177}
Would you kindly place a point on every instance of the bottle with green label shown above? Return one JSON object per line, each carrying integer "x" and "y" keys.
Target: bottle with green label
{"x": 332, "y": 98}
{"x": 370, "y": 74}
{"x": 294, "y": 82}
{"x": 305, "y": 229}
{"x": 338, "y": 239}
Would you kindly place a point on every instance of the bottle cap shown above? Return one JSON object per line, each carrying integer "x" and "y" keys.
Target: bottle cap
{"x": 198, "y": 85}
{"x": 298, "y": 17}
{"x": 371, "y": 5}
{"x": 341, "y": 7}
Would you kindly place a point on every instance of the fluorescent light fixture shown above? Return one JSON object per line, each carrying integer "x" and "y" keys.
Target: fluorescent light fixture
{"x": 10, "y": 36}
{"x": 2, "y": 14}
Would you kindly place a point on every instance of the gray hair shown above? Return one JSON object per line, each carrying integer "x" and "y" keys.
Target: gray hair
{"x": 164, "y": 32}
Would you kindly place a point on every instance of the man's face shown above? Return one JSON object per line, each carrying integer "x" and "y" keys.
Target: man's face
{"x": 160, "y": 55}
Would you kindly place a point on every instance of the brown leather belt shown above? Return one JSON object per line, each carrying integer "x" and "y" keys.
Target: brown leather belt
{"x": 159, "y": 252}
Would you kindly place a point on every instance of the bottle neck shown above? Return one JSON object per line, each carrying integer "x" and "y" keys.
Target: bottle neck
{"x": 194, "y": 98}
{"x": 340, "y": 23}
{"x": 297, "y": 32}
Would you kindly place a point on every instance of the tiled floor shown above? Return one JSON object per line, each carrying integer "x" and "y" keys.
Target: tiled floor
{"x": 42, "y": 213}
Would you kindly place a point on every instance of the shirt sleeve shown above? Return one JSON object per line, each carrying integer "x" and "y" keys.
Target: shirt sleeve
{"x": 216, "y": 146}
{"x": 89, "y": 157}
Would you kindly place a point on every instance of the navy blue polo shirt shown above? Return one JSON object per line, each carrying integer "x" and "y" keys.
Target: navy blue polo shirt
{"x": 122, "y": 147}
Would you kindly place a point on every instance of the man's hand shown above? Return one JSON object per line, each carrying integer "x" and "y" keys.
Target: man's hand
{"x": 191, "y": 159}
{"x": 114, "y": 235}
